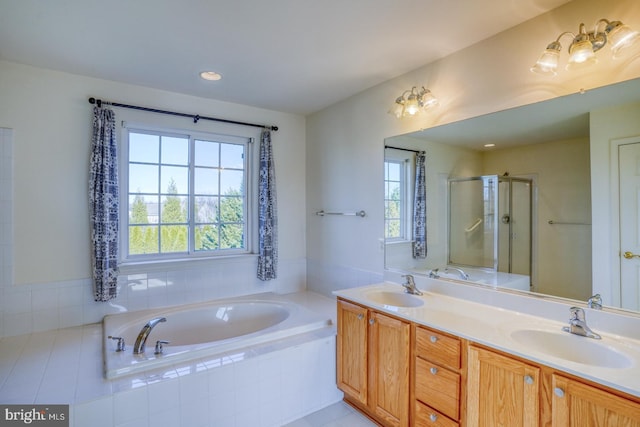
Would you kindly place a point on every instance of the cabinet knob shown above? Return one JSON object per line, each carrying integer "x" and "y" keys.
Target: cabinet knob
{"x": 360, "y": 316}
{"x": 433, "y": 338}
{"x": 433, "y": 370}
{"x": 372, "y": 321}
{"x": 528, "y": 379}
{"x": 433, "y": 418}
{"x": 558, "y": 392}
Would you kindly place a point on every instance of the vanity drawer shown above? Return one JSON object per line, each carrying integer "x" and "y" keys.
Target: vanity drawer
{"x": 437, "y": 347}
{"x": 438, "y": 387}
{"x": 429, "y": 417}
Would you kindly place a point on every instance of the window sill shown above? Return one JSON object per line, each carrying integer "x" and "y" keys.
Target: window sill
{"x": 134, "y": 267}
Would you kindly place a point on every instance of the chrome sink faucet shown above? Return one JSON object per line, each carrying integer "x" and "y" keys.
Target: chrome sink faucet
{"x": 463, "y": 275}
{"x": 578, "y": 324}
{"x": 141, "y": 341}
{"x": 410, "y": 285}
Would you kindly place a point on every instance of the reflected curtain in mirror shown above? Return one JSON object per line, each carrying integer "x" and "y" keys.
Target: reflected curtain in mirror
{"x": 104, "y": 204}
{"x": 420, "y": 209}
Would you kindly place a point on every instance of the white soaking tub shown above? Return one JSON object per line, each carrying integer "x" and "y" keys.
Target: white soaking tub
{"x": 203, "y": 329}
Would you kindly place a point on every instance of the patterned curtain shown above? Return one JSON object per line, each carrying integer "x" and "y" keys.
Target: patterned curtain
{"x": 420, "y": 209}
{"x": 268, "y": 220}
{"x": 103, "y": 200}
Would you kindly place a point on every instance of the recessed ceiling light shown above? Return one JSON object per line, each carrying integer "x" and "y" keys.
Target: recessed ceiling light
{"x": 489, "y": 145}
{"x": 210, "y": 75}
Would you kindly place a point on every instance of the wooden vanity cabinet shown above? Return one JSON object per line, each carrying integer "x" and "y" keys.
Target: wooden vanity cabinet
{"x": 438, "y": 378}
{"x": 373, "y": 363}
{"x": 455, "y": 382}
{"x": 509, "y": 391}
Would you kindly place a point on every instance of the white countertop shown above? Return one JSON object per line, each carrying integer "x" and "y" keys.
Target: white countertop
{"x": 492, "y": 325}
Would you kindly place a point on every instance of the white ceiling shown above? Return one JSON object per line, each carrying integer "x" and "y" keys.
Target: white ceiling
{"x": 296, "y": 56}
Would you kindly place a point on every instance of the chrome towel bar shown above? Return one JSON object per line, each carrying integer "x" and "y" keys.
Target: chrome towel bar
{"x": 359, "y": 213}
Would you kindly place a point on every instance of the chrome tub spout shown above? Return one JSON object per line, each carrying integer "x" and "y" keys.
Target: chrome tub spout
{"x": 141, "y": 341}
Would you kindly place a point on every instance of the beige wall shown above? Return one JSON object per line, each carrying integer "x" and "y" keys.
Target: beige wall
{"x": 562, "y": 255}
{"x": 607, "y": 127}
{"x": 51, "y": 117}
{"x": 344, "y": 141}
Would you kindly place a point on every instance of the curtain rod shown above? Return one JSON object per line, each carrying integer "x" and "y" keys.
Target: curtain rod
{"x": 403, "y": 149}
{"x": 195, "y": 117}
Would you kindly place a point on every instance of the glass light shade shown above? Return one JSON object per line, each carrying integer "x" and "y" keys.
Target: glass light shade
{"x": 622, "y": 37}
{"x": 428, "y": 100}
{"x": 547, "y": 64}
{"x": 411, "y": 106}
{"x": 581, "y": 54}
{"x": 397, "y": 109}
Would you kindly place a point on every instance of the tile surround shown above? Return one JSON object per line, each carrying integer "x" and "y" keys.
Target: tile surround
{"x": 268, "y": 385}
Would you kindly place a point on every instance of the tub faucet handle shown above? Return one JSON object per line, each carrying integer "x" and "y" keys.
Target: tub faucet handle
{"x": 120, "y": 343}
{"x": 159, "y": 347}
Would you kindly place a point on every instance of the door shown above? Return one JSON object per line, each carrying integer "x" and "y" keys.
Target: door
{"x": 389, "y": 369}
{"x": 576, "y": 405}
{"x": 629, "y": 173}
{"x": 351, "y": 351}
{"x": 502, "y": 392}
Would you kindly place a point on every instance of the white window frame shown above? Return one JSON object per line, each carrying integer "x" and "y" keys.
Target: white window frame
{"x": 250, "y": 197}
{"x": 407, "y": 183}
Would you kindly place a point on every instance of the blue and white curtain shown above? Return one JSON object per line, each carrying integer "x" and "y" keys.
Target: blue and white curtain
{"x": 103, "y": 200}
{"x": 420, "y": 209}
{"x": 268, "y": 219}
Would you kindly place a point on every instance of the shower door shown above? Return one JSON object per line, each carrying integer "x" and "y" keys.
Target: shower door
{"x": 473, "y": 221}
{"x": 490, "y": 223}
{"x": 514, "y": 226}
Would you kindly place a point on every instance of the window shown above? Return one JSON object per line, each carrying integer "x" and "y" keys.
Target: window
{"x": 397, "y": 196}
{"x": 186, "y": 195}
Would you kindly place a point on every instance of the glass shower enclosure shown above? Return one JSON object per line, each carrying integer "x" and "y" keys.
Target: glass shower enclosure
{"x": 490, "y": 223}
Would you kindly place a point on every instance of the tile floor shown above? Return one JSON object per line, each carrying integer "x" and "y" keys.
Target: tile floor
{"x": 337, "y": 415}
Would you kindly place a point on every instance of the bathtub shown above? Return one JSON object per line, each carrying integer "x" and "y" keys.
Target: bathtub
{"x": 201, "y": 330}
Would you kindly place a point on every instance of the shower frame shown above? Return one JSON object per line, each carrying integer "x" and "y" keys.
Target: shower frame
{"x": 491, "y": 199}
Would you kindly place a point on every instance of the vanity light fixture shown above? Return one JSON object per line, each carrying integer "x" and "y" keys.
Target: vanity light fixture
{"x": 412, "y": 102}
{"x": 585, "y": 44}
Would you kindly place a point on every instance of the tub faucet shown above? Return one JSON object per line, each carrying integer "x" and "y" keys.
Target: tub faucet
{"x": 410, "y": 285}
{"x": 434, "y": 273}
{"x": 578, "y": 324}
{"x": 141, "y": 341}
{"x": 463, "y": 275}
{"x": 595, "y": 302}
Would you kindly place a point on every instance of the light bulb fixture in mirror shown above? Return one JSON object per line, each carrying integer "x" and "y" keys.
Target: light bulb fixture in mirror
{"x": 412, "y": 102}
{"x": 585, "y": 44}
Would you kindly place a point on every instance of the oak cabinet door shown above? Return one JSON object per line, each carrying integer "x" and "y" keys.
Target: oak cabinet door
{"x": 389, "y": 369}
{"x": 352, "y": 344}
{"x": 575, "y": 404}
{"x": 502, "y": 392}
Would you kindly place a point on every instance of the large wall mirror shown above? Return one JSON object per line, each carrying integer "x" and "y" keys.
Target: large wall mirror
{"x": 545, "y": 149}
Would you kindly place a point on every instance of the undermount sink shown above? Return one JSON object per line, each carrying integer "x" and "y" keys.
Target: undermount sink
{"x": 573, "y": 348}
{"x": 395, "y": 299}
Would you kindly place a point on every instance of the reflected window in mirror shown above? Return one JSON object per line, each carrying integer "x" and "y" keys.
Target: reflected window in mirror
{"x": 398, "y": 183}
